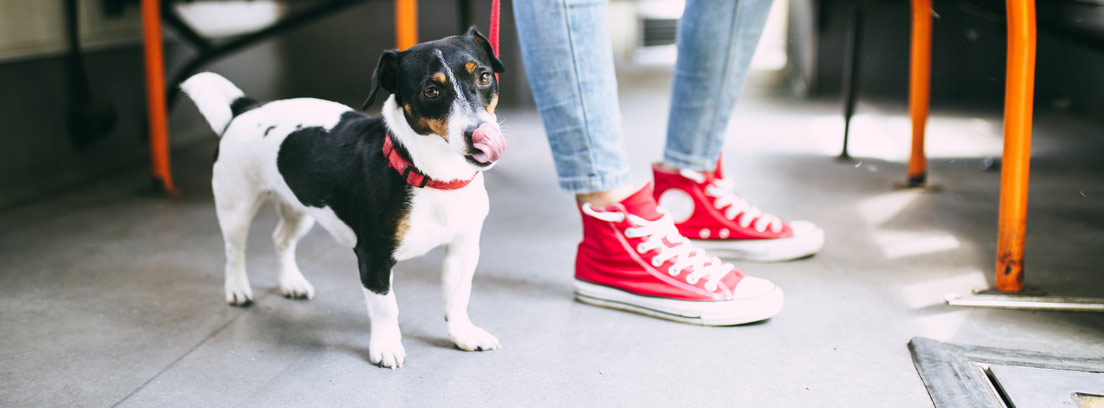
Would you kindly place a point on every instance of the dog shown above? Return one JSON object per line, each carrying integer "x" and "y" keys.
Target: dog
{"x": 390, "y": 187}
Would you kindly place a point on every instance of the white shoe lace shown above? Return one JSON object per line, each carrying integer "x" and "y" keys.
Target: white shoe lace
{"x": 657, "y": 235}
{"x": 724, "y": 196}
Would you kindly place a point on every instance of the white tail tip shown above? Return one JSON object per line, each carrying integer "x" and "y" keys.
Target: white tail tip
{"x": 213, "y": 95}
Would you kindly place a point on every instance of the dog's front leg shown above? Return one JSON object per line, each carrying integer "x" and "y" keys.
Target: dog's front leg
{"x": 385, "y": 346}
{"x": 461, "y": 257}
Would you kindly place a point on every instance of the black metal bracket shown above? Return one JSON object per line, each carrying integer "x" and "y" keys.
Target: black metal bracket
{"x": 851, "y": 72}
{"x": 209, "y": 52}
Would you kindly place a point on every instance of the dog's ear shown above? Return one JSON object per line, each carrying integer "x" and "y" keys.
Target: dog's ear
{"x": 385, "y": 76}
{"x": 475, "y": 35}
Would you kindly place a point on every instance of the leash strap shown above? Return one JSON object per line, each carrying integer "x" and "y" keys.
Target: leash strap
{"x": 494, "y": 30}
{"x": 494, "y": 26}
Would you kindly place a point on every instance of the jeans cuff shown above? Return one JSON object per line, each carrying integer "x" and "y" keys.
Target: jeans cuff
{"x": 593, "y": 184}
{"x": 687, "y": 162}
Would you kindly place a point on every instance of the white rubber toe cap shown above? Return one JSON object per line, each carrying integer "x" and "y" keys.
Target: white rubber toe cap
{"x": 803, "y": 227}
{"x": 751, "y": 287}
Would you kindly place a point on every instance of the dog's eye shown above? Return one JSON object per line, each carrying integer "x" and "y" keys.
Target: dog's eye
{"x": 431, "y": 92}
{"x": 484, "y": 78}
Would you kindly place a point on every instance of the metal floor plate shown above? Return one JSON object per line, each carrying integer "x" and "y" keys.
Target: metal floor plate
{"x": 1088, "y": 401}
{"x": 974, "y": 376}
{"x": 1040, "y": 387}
{"x": 1019, "y": 301}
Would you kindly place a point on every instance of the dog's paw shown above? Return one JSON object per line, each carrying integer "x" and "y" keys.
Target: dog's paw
{"x": 295, "y": 286}
{"x": 386, "y": 353}
{"x": 240, "y": 295}
{"x": 472, "y": 338}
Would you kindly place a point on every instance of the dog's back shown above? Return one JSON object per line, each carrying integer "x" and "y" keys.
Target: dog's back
{"x": 256, "y": 159}
{"x": 252, "y": 132}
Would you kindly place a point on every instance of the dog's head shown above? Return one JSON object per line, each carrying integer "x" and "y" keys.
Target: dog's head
{"x": 446, "y": 92}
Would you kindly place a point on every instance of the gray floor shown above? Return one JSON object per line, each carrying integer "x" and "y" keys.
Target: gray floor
{"x": 114, "y": 296}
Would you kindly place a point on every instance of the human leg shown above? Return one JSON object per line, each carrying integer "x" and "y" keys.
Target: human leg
{"x": 631, "y": 257}
{"x": 568, "y": 58}
{"x": 689, "y": 182}
{"x": 715, "y": 43}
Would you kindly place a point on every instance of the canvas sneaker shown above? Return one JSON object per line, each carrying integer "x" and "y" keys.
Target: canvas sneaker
{"x": 633, "y": 258}
{"x": 705, "y": 209}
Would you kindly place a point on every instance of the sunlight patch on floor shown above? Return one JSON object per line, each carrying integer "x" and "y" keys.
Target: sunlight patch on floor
{"x": 890, "y": 137}
{"x": 902, "y": 244}
{"x": 931, "y": 292}
{"x": 881, "y": 209}
{"x": 946, "y": 321}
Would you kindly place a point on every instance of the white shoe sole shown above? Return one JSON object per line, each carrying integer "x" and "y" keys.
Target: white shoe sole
{"x": 705, "y": 313}
{"x": 808, "y": 239}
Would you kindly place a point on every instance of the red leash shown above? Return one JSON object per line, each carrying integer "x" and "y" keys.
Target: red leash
{"x": 494, "y": 26}
{"x": 494, "y": 29}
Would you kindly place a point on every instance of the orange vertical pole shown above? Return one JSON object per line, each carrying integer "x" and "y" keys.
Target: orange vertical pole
{"x": 155, "y": 96}
{"x": 919, "y": 88}
{"x": 406, "y": 23}
{"x": 1018, "y": 98}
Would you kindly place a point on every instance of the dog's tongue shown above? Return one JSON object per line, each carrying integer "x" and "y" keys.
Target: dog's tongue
{"x": 488, "y": 139}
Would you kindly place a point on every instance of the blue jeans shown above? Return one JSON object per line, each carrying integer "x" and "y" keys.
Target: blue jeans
{"x": 565, "y": 45}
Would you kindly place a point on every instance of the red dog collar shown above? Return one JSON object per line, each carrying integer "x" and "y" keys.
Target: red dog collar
{"x": 412, "y": 175}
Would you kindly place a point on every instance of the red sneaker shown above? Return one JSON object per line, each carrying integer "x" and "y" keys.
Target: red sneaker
{"x": 632, "y": 258}
{"x": 704, "y": 207}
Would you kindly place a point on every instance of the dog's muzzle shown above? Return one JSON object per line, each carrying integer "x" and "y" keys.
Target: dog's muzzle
{"x": 488, "y": 140}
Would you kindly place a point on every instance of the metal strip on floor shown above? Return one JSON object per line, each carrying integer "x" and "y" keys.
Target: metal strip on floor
{"x": 959, "y": 375}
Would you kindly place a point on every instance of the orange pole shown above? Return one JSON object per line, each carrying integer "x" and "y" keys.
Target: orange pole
{"x": 919, "y": 88}
{"x": 1018, "y": 98}
{"x": 406, "y": 23}
{"x": 155, "y": 96}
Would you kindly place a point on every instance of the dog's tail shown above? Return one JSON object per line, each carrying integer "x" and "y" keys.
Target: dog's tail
{"x": 216, "y": 99}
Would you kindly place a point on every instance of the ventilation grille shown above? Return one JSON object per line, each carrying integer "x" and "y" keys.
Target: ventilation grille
{"x": 659, "y": 31}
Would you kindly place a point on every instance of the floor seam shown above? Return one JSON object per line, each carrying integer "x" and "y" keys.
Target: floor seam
{"x": 186, "y": 354}
{"x": 193, "y": 349}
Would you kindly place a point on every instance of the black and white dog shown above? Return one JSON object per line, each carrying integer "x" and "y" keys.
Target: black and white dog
{"x": 392, "y": 188}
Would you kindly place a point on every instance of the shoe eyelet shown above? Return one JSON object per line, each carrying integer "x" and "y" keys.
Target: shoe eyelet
{"x": 640, "y": 249}
{"x": 710, "y": 286}
{"x": 630, "y": 232}
{"x": 693, "y": 280}
{"x": 656, "y": 263}
{"x": 673, "y": 272}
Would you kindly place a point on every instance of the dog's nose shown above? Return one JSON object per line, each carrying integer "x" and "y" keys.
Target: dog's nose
{"x": 488, "y": 140}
